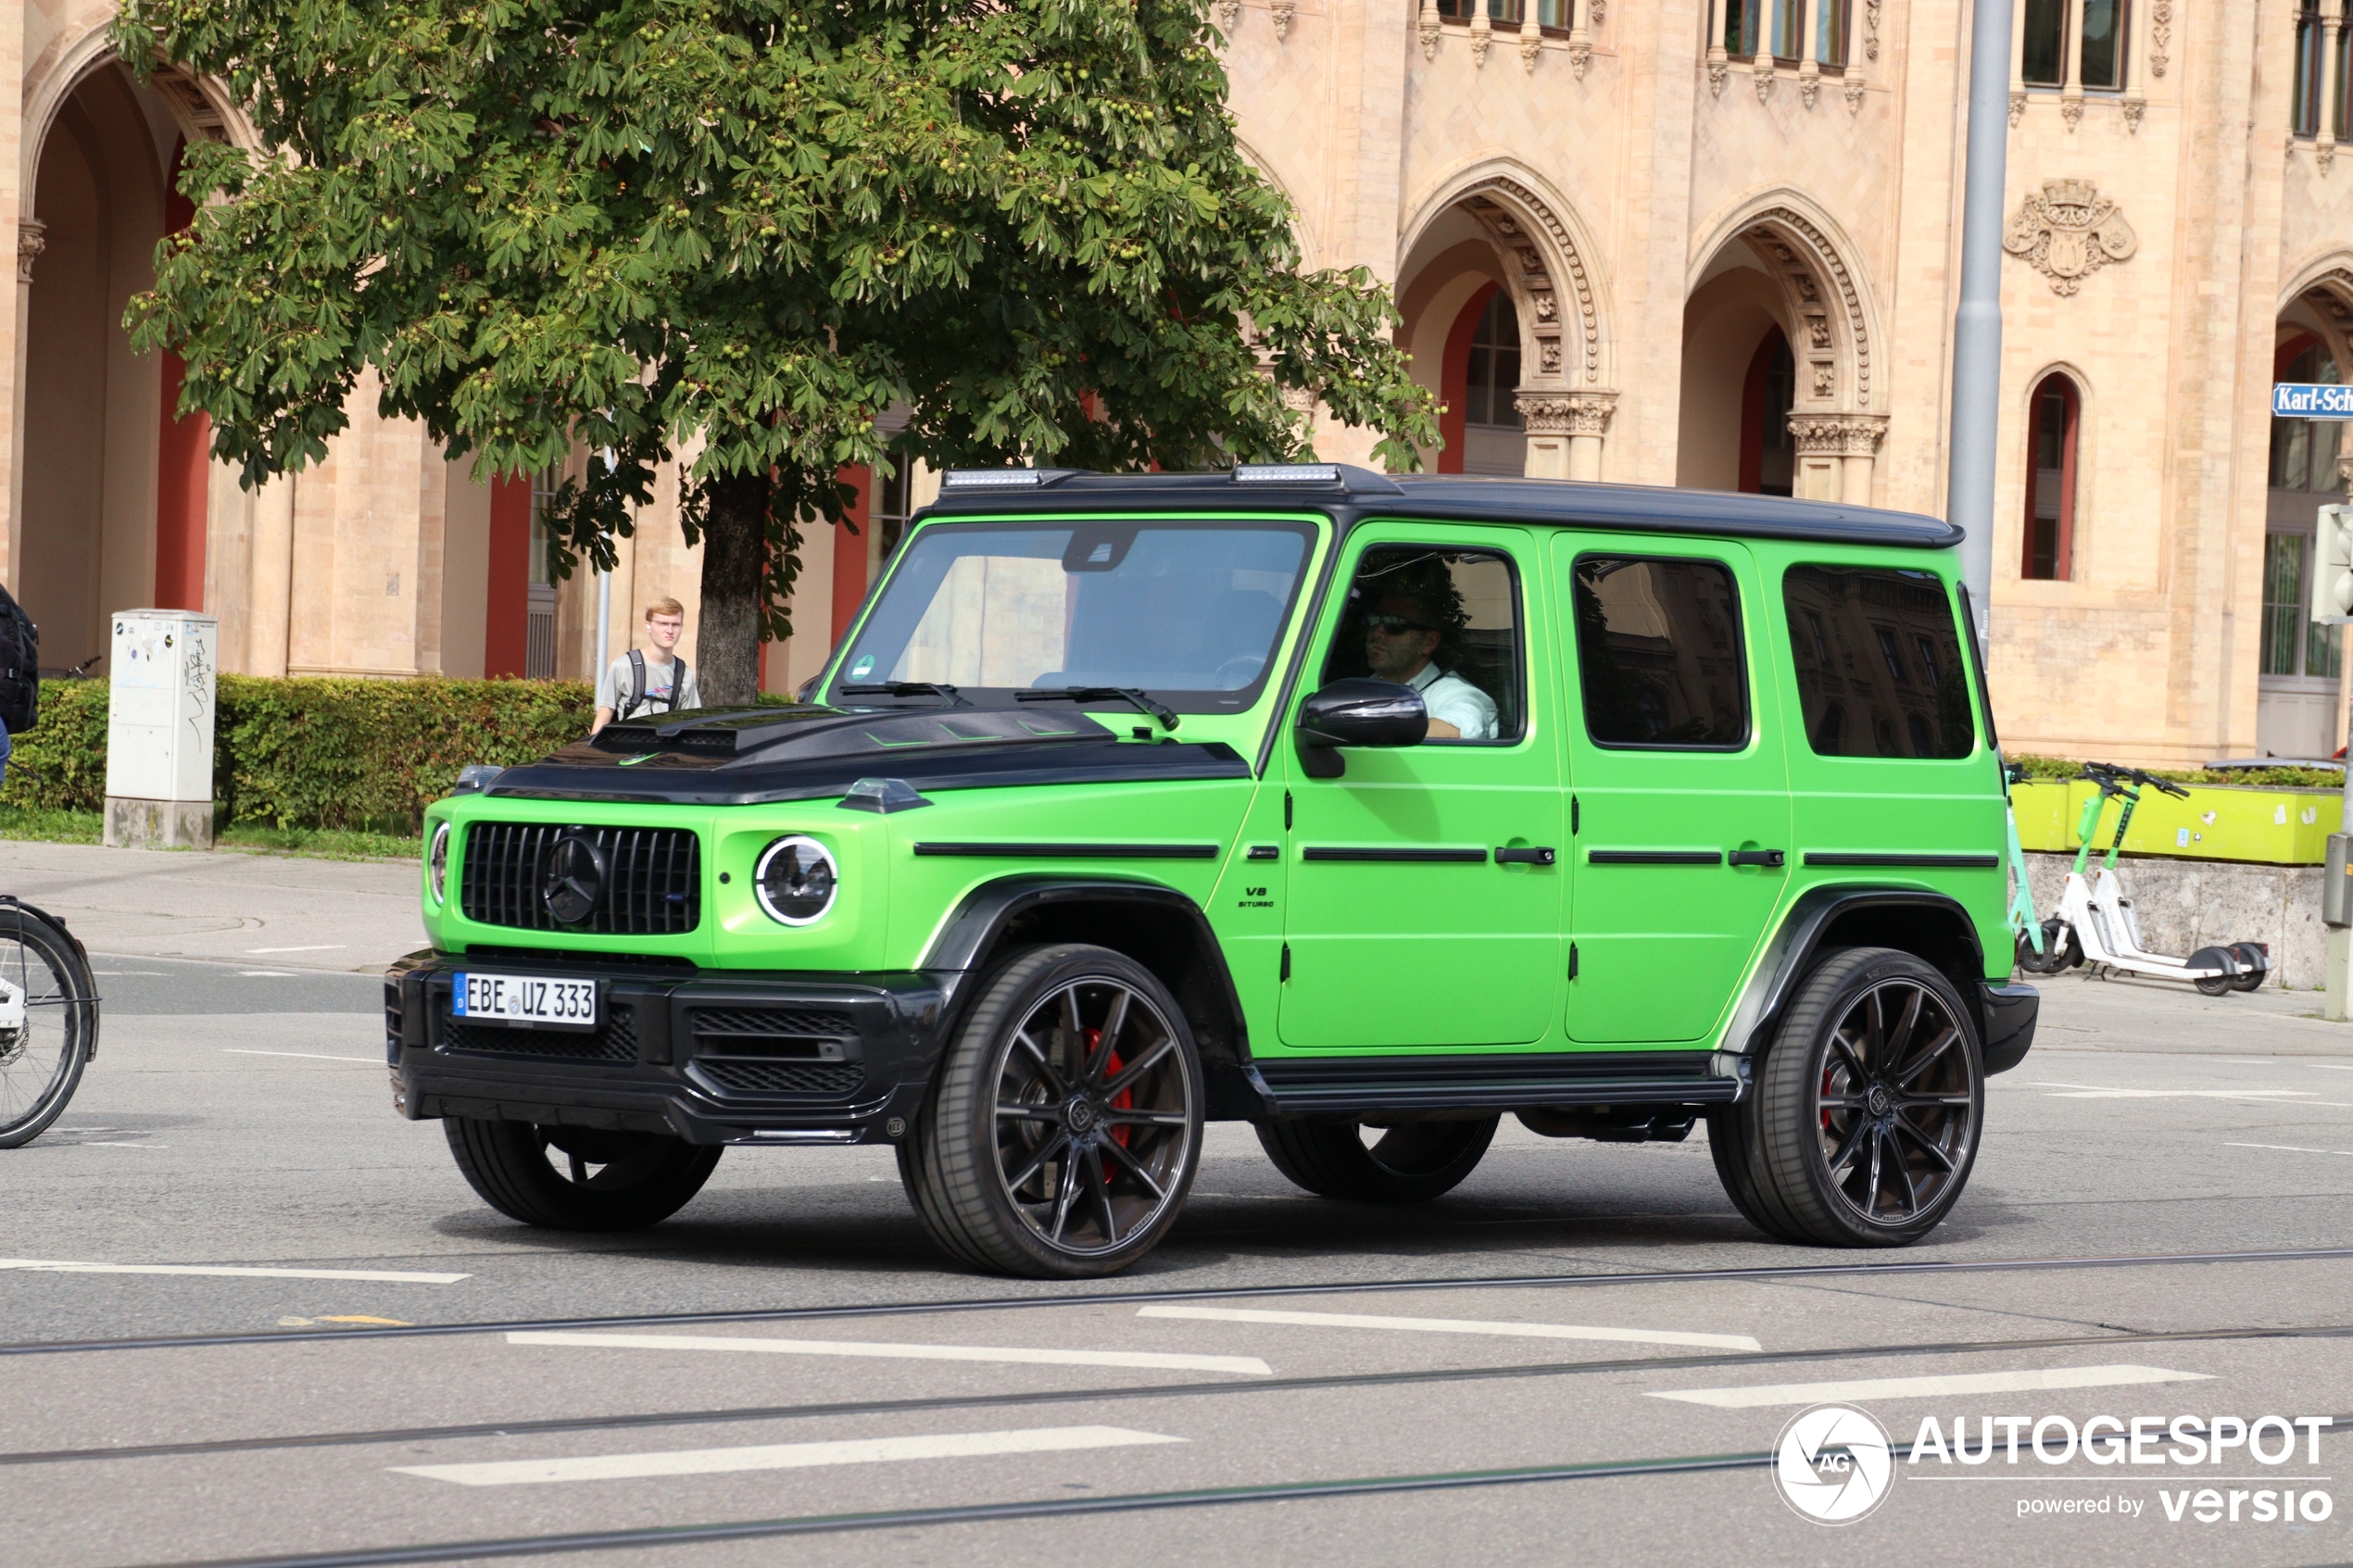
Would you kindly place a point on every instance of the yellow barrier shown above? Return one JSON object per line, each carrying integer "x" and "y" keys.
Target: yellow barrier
{"x": 2274, "y": 827}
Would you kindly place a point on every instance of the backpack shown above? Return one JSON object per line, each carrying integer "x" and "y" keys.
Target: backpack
{"x": 19, "y": 667}
{"x": 638, "y": 682}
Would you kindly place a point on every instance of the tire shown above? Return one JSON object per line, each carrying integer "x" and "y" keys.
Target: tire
{"x": 1062, "y": 1135}
{"x": 1411, "y": 1162}
{"x": 41, "y": 1061}
{"x": 2256, "y": 963}
{"x": 2216, "y": 985}
{"x": 1732, "y": 1144}
{"x": 2060, "y": 952}
{"x": 608, "y": 1181}
{"x": 1849, "y": 1100}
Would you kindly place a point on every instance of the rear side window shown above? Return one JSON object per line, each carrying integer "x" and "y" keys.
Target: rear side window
{"x": 1659, "y": 654}
{"x": 1879, "y": 663}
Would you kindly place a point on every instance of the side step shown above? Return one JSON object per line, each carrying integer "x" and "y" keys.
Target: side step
{"x": 1327, "y": 1085}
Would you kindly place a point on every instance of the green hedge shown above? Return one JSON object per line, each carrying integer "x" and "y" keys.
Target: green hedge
{"x": 313, "y": 752}
{"x": 2298, "y": 778}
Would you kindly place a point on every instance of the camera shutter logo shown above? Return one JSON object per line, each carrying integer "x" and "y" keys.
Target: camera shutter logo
{"x": 1835, "y": 1464}
{"x": 571, "y": 879}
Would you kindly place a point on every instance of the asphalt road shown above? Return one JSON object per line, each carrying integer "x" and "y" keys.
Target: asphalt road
{"x": 1582, "y": 1353}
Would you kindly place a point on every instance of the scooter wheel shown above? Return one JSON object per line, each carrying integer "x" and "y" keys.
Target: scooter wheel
{"x": 2060, "y": 949}
{"x": 2216, "y": 985}
{"x": 2255, "y": 961}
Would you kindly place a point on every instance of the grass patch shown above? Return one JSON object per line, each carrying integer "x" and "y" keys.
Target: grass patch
{"x": 58, "y": 825}
{"x": 50, "y": 824}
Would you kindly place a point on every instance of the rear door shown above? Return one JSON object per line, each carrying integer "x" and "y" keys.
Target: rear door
{"x": 1680, "y": 792}
{"x": 1405, "y": 925}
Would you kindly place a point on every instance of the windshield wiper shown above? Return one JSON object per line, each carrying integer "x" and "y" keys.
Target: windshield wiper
{"x": 1142, "y": 701}
{"x": 908, "y": 688}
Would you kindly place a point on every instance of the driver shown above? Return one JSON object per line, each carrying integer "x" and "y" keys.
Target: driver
{"x": 1408, "y": 622}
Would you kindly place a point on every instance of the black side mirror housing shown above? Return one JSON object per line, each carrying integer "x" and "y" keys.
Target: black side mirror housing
{"x": 1357, "y": 711}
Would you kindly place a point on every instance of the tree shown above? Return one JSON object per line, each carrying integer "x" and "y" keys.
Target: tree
{"x": 733, "y": 231}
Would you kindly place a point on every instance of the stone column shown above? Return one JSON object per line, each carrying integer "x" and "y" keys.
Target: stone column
{"x": 1719, "y": 65}
{"x": 270, "y": 597}
{"x": 1835, "y": 456}
{"x": 33, "y": 236}
{"x": 2018, "y": 60}
{"x": 2072, "y": 50}
{"x": 2324, "y": 139}
{"x": 1565, "y": 431}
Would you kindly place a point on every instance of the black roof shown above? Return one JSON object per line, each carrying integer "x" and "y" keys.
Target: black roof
{"x": 1347, "y": 493}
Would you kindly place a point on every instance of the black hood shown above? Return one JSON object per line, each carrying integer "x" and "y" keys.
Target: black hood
{"x": 742, "y": 756}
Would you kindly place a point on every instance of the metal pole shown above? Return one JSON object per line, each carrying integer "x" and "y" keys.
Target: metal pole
{"x": 1977, "y": 323}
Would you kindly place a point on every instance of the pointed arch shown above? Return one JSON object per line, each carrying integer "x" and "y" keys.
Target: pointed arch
{"x": 1559, "y": 293}
{"x": 1832, "y": 318}
{"x": 201, "y": 106}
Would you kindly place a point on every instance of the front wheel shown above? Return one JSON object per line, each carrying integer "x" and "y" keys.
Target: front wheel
{"x": 1063, "y": 1136}
{"x": 1864, "y": 1123}
{"x": 2255, "y": 961}
{"x": 48, "y": 1023}
{"x": 2060, "y": 949}
{"x": 1411, "y": 1163}
{"x": 578, "y": 1178}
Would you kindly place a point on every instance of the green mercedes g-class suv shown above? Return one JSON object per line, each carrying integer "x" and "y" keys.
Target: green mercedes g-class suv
{"x": 1367, "y": 809}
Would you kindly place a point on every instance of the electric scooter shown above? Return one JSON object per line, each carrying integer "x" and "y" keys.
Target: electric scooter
{"x": 2026, "y": 932}
{"x": 2096, "y": 923}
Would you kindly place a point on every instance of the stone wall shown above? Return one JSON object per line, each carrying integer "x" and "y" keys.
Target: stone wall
{"x": 2186, "y": 904}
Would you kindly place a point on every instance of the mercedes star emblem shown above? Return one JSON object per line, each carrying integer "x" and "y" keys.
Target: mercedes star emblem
{"x": 571, "y": 879}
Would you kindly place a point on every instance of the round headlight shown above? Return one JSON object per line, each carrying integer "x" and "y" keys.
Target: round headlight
{"x": 438, "y": 862}
{"x": 796, "y": 881}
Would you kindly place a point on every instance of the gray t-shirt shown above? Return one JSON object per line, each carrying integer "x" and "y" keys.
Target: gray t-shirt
{"x": 613, "y": 690}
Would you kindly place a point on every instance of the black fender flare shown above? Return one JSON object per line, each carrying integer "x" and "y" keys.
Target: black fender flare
{"x": 1195, "y": 973}
{"x": 2005, "y": 1014}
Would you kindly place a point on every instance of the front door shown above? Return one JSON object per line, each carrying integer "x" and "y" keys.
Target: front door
{"x": 1680, "y": 791}
{"x": 1426, "y": 883}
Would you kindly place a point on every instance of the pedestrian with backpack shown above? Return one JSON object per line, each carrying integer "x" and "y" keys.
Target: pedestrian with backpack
{"x": 19, "y": 675}
{"x": 652, "y": 680}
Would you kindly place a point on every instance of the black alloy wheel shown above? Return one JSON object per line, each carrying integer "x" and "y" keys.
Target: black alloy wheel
{"x": 1863, "y": 1124}
{"x": 49, "y": 1023}
{"x": 1411, "y": 1163}
{"x": 579, "y": 1178}
{"x": 1063, "y": 1136}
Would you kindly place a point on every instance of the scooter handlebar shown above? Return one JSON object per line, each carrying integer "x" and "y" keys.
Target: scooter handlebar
{"x": 2112, "y": 778}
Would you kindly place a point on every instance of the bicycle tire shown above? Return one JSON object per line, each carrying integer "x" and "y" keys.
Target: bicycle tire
{"x": 40, "y": 1066}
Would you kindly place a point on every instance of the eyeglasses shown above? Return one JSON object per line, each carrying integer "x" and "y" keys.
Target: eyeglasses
{"x": 1391, "y": 625}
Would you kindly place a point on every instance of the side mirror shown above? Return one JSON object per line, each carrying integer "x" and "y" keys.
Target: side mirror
{"x": 1357, "y": 711}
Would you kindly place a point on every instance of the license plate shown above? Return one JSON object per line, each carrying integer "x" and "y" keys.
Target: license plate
{"x": 540, "y": 1000}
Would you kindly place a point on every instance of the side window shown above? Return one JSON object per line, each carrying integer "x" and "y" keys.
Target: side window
{"x": 1445, "y": 621}
{"x": 1879, "y": 663}
{"x": 1659, "y": 654}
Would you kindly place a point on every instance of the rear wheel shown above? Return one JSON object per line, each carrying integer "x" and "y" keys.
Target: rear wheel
{"x": 2060, "y": 949}
{"x": 1408, "y": 1163}
{"x": 579, "y": 1178}
{"x": 2255, "y": 960}
{"x": 49, "y": 1023}
{"x": 1864, "y": 1123}
{"x": 1063, "y": 1136}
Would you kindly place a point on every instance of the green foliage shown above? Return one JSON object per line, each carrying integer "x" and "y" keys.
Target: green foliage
{"x": 746, "y": 227}
{"x": 2298, "y": 778}
{"x": 49, "y": 825}
{"x": 312, "y": 752}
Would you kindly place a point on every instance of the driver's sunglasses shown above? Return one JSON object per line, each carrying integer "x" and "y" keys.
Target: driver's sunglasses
{"x": 1391, "y": 625}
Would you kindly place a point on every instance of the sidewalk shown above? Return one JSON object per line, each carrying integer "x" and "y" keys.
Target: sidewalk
{"x": 275, "y": 912}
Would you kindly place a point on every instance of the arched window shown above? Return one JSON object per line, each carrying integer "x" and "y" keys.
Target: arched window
{"x": 2055, "y": 415}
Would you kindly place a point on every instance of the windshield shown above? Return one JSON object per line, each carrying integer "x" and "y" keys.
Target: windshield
{"x": 1187, "y": 611}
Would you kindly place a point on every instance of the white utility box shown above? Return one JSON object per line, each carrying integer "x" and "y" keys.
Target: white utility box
{"x": 159, "y": 723}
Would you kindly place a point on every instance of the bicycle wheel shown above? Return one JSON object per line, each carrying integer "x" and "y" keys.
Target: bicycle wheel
{"x": 48, "y": 1027}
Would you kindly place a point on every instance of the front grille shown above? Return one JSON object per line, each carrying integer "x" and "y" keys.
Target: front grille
{"x": 780, "y": 1077}
{"x": 613, "y": 1040}
{"x": 730, "y": 1030}
{"x": 653, "y": 882}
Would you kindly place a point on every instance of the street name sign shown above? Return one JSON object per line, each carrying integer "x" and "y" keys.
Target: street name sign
{"x": 2310, "y": 400}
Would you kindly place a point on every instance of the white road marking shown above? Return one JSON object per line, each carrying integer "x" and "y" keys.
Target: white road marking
{"x": 307, "y": 1055}
{"x": 265, "y": 975}
{"x": 1458, "y": 1325}
{"x": 1927, "y": 1387}
{"x": 2329, "y": 1066}
{"x": 2289, "y": 1147}
{"x": 315, "y": 948}
{"x": 783, "y": 1456}
{"x": 45, "y": 1265}
{"x": 110, "y": 1143}
{"x": 2089, "y": 1091}
{"x": 1250, "y": 1365}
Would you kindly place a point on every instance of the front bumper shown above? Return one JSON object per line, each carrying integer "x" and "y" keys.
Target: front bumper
{"x": 2009, "y": 1012}
{"x": 712, "y": 1057}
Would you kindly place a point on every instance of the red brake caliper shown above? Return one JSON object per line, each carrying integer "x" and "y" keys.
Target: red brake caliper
{"x": 1125, "y": 1098}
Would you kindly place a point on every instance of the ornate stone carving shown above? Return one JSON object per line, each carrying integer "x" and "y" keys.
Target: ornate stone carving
{"x": 2161, "y": 35}
{"x": 2072, "y": 111}
{"x": 1229, "y": 14}
{"x": 1719, "y": 72}
{"x": 2323, "y": 155}
{"x": 2134, "y": 107}
{"x": 1575, "y": 413}
{"x": 1870, "y": 28}
{"x": 1483, "y": 34}
{"x": 1280, "y": 13}
{"x": 2067, "y": 230}
{"x": 1431, "y": 30}
{"x": 1299, "y": 399}
{"x": 1838, "y": 435}
{"x": 1580, "y": 55}
{"x": 2018, "y": 106}
{"x": 1853, "y": 91}
{"x": 1825, "y": 379}
{"x": 1809, "y": 86}
{"x": 1531, "y": 44}
{"x": 1600, "y": 12}
{"x": 1547, "y": 297}
{"x": 33, "y": 237}
{"x": 1764, "y": 76}
{"x": 1771, "y": 232}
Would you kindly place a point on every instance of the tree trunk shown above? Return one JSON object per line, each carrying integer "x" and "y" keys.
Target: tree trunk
{"x": 734, "y": 546}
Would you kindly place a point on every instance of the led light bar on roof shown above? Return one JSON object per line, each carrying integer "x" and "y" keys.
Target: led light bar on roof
{"x": 981, "y": 479}
{"x": 1285, "y": 473}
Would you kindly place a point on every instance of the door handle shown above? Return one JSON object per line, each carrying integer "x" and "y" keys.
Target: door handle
{"x": 1532, "y": 856}
{"x": 1775, "y": 857}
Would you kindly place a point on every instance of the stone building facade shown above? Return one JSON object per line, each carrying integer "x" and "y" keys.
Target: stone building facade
{"x": 1698, "y": 243}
